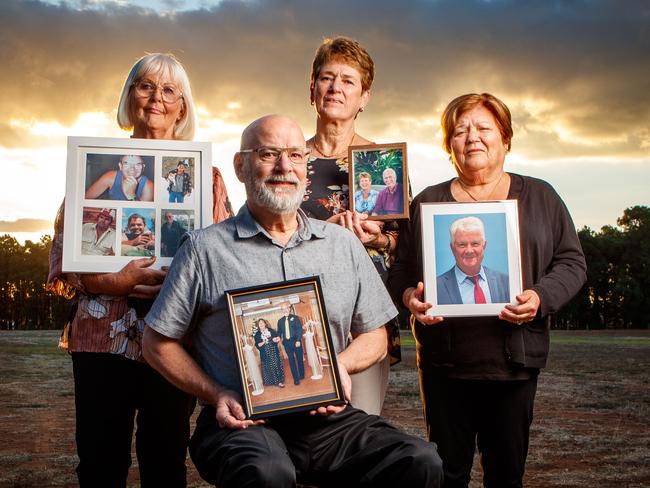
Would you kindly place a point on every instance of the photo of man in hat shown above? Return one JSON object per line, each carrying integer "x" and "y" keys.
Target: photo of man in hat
{"x": 180, "y": 182}
{"x": 98, "y": 236}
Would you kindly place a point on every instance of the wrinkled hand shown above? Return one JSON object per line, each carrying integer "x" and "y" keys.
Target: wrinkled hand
{"x": 144, "y": 281}
{"x": 367, "y": 231}
{"x": 135, "y": 278}
{"x": 524, "y": 311}
{"x": 230, "y": 414}
{"x": 412, "y": 299}
{"x": 346, "y": 382}
{"x": 129, "y": 187}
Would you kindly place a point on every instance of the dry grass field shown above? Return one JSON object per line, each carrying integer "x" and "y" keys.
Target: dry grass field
{"x": 591, "y": 428}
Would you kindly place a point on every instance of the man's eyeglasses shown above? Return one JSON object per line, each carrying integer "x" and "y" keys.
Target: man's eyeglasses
{"x": 146, "y": 88}
{"x": 271, "y": 155}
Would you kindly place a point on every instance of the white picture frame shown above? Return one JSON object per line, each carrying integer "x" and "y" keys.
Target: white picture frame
{"x": 95, "y": 164}
{"x": 501, "y": 257}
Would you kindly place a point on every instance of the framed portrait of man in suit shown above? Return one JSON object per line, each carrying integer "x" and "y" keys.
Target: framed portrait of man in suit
{"x": 471, "y": 255}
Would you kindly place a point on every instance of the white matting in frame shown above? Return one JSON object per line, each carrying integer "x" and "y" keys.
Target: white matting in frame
{"x": 121, "y": 185}
{"x": 452, "y": 291}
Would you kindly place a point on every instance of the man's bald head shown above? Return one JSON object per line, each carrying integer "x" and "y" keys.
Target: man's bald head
{"x": 270, "y": 127}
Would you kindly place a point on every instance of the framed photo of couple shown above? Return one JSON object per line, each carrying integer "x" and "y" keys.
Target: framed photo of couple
{"x": 471, "y": 257}
{"x": 129, "y": 198}
{"x": 378, "y": 181}
{"x": 284, "y": 348}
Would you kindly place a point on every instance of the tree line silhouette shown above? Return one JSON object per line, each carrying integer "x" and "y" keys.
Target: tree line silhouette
{"x": 617, "y": 292}
{"x": 616, "y": 295}
{"x": 23, "y": 273}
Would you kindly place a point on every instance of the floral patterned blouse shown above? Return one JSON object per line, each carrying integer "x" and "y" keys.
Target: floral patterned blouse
{"x": 104, "y": 323}
{"x": 327, "y": 195}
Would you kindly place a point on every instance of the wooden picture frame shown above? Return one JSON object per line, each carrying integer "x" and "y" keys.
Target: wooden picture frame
{"x": 370, "y": 166}
{"x": 268, "y": 322}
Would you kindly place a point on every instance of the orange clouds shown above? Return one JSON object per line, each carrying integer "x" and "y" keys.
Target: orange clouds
{"x": 575, "y": 78}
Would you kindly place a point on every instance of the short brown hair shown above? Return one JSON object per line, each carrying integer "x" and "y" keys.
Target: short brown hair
{"x": 349, "y": 51}
{"x": 363, "y": 174}
{"x": 462, "y": 104}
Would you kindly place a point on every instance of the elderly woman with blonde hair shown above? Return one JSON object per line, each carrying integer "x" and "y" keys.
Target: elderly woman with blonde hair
{"x": 114, "y": 388}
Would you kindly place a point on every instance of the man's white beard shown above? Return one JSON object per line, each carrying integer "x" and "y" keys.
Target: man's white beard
{"x": 279, "y": 201}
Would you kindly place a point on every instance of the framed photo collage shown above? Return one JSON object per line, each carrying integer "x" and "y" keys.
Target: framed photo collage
{"x": 132, "y": 198}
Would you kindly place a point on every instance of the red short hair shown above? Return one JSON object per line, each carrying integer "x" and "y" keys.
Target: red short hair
{"x": 349, "y": 51}
{"x": 462, "y": 104}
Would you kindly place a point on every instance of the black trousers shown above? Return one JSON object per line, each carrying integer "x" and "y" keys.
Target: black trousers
{"x": 493, "y": 415}
{"x": 110, "y": 393}
{"x": 296, "y": 360}
{"x": 350, "y": 449}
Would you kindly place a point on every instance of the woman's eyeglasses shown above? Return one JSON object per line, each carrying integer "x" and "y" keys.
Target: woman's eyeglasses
{"x": 146, "y": 88}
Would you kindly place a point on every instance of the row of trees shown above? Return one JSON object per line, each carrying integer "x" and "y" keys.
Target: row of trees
{"x": 25, "y": 302}
{"x": 617, "y": 293}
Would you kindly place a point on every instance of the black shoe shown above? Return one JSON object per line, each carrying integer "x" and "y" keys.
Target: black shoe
{"x": 296, "y": 382}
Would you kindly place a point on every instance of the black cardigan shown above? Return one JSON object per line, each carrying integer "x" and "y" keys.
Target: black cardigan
{"x": 553, "y": 265}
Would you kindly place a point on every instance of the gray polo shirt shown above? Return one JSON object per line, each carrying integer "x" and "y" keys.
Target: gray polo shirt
{"x": 239, "y": 253}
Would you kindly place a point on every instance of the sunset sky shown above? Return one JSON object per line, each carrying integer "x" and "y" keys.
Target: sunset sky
{"x": 575, "y": 74}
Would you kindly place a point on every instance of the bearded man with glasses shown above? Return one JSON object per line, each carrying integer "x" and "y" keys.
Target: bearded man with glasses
{"x": 272, "y": 240}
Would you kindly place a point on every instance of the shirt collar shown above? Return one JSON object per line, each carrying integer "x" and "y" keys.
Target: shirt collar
{"x": 461, "y": 276}
{"x": 248, "y": 227}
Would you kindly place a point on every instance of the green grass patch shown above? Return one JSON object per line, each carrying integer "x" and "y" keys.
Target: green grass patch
{"x": 601, "y": 340}
{"x": 31, "y": 349}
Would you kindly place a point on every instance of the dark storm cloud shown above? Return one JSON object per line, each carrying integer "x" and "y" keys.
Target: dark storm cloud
{"x": 586, "y": 63}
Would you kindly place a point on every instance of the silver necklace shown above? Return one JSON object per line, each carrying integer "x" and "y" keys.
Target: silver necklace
{"x": 465, "y": 189}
